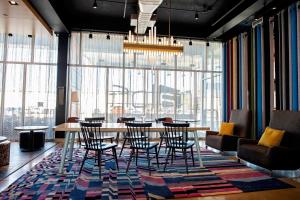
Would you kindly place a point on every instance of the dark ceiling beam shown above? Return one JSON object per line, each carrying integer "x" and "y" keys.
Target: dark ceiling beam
{"x": 47, "y": 12}
{"x": 240, "y": 17}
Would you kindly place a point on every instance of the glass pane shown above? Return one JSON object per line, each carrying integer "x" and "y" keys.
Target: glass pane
{"x": 1, "y": 78}
{"x": 167, "y": 93}
{"x": 19, "y": 48}
{"x": 2, "y": 39}
{"x": 134, "y": 92}
{"x": 151, "y": 94}
{"x": 45, "y": 49}
{"x": 13, "y": 100}
{"x": 90, "y": 83}
{"x": 40, "y": 96}
{"x": 115, "y": 97}
{"x": 185, "y": 93}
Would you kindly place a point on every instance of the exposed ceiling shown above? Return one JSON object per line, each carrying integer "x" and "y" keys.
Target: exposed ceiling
{"x": 216, "y": 17}
{"x": 18, "y": 19}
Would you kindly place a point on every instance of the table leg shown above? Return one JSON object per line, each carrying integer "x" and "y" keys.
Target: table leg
{"x": 71, "y": 145}
{"x": 198, "y": 148}
{"x": 64, "y": 153}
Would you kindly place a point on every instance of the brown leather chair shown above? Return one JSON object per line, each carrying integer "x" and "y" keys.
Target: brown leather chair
{"x": 283, "y": 157}
{"x": 242, "y": 127}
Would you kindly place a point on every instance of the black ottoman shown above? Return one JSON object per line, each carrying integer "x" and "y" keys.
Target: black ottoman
{"x": 32, "y": 141}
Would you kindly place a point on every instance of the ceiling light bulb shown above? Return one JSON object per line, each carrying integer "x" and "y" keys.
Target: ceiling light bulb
{"x": 95, "y": 4}
{"x": 13, "y": 3}
{"x": 196, "y": 16}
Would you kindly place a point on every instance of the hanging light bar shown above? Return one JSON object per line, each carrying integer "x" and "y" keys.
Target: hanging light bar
{"x": 152, "y": 44}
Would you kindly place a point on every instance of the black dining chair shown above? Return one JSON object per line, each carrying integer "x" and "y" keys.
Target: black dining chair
{"x": 125, "y": 138}
{"x": 138, "y": 137}
{"x": 162, "y": 135}
{"x": 100, "y": 120}
{"x": 92, "y": 137}
{"x": 177, "y": 139}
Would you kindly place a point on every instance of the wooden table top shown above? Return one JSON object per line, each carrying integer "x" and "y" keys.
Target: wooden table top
{"x": 121, "y": 127}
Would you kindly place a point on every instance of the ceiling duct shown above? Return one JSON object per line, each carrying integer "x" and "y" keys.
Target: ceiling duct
{"x": 146, "y": 9}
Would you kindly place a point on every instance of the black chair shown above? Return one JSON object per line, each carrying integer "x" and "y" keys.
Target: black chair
{"x": 123, "y": 120}
{"x": 100, "y": 120}
{"x": 92, "y": 136}
{"x": 138, "y": 137}
{"x": 163, "y": 134}
{"x": 177, "y": 138}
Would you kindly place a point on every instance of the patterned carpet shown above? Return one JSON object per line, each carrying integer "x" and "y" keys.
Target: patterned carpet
{"x": 221, "y": 175}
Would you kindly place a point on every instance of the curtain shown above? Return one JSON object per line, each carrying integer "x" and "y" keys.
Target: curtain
{"x": 28, "y": 77}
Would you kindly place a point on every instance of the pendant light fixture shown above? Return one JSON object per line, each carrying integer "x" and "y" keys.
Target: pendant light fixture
{"x": 95, "y": 5}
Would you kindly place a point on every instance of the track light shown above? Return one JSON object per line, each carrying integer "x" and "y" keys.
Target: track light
{"x": 207, "y": 44}
{"x": 30, "y": 36}
{"x": 91, "y": 36}
{"x": 108, "y": 37}
{"x": 95, "y": 4}
{"x": 196, "y": 16}
{"x": 174, "y": 41}
{"x": 190, "y": 42}
{"x": 10, "y": 35}
{"x": 126, "y": 37}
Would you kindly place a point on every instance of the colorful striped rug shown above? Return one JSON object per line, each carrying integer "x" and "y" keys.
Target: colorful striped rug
{"x": 221, "y": 175}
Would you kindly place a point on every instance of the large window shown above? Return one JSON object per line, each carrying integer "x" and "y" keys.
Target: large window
{"x": 27, "y": 81}
{"x": 112, "y": 83}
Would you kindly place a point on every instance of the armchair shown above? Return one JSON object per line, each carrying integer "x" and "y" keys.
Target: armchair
{"x": 242, "y": 124}
{"x": 283, "y": 157}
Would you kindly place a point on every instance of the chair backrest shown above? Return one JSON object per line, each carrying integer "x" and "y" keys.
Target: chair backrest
{"x": 290, "y": 122}
{"x": 242, "y": 122}
{"x": 72, "y": 119}
{"x": 91, "y": 132}
{"x": 176, "y": 134}
{"x": 164, "y": 119}
{"x": 95, "y": 119}
{"x": 125, "y": 119}
{"x": 138, "y": 134}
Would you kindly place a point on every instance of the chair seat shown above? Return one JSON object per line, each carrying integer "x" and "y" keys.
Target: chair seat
{"x": 104, "y": 146}
{"x": 151, "y": 145}
{"x": 186, "y": 145}
{"x": 107, "y": 137}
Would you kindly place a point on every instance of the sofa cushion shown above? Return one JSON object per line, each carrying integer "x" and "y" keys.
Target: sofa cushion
{"x": 271, "y": 137}
{"x": 226, "y": 128}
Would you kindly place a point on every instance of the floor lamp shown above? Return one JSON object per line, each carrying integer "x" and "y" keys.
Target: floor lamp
{"x": 74, "y": 99}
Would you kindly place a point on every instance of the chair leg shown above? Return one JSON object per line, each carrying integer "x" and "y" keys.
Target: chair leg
{"x": 84, "y": 158}
{"x": 186, "y": 163}
{"x": 148, "y": 158}
{"x": 239, "y": 160}
{"x": 172, "y": 155}
{"x": 167, "y": 159}
{"x": 99, "y": 163}
{"x": 156, "y": 154}
{"x": 129, "y": 161}
{"x": 160, "y": 143}
{"x": 136, "y": 157}
{"x": 117, "y": 138}
{"x": 111, "y": 140}
{"x": 192, "y": 153}
{"x": 79, "y": 139}
{"x": 123, "y": 145}
{"x": 115, "y": 156}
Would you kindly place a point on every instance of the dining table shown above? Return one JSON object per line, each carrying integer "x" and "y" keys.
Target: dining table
{"x": 71, "y": 128}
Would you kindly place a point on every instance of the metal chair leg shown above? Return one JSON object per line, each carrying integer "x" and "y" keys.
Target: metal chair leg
{"x": 192, "y": 152}
{"x": 123, "y": 145}
{"x": 115, "y": 156}
{"x": 156, "y": 152}
{"x": 84, "y": 158}
{"x": 160, "y": 143}
{"x": 136, "y": 157}
{"x": 99, "y": 163}
{"x": 186, "y": 163}
{"x": 148, "y": 158}
{"x": 117, "y": 138}
{"x": 167, "y": 159}
{"x": 129, "y": 161}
